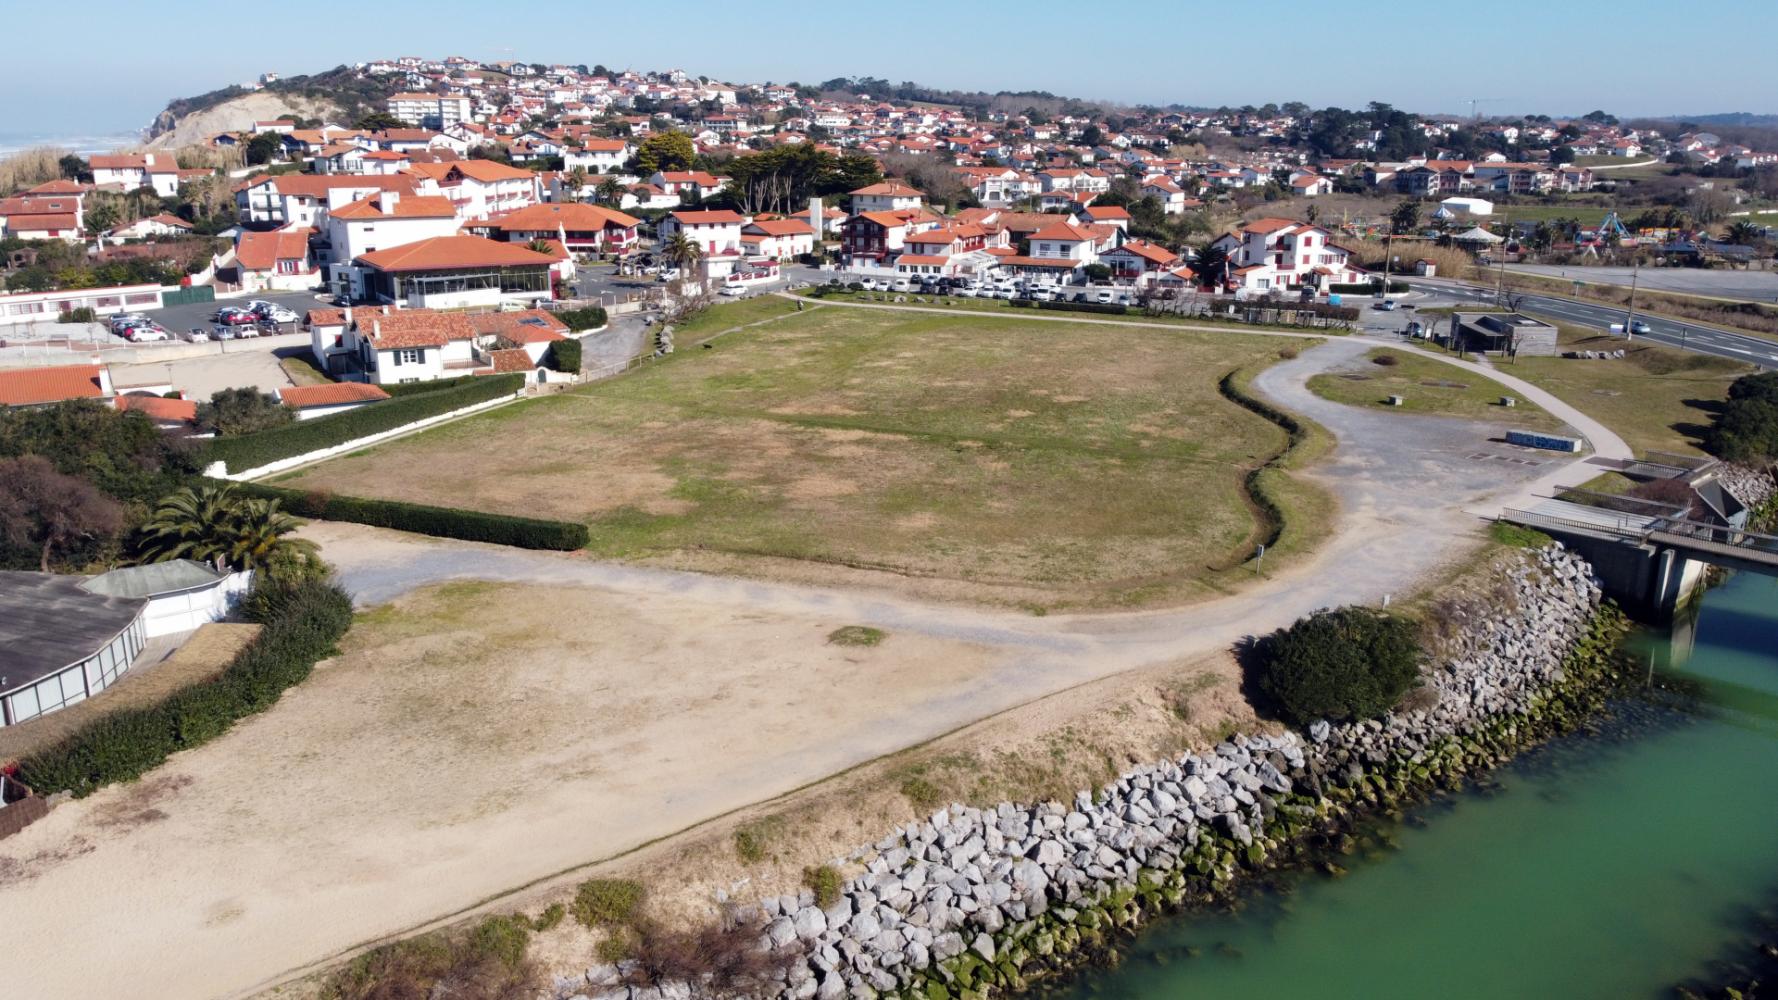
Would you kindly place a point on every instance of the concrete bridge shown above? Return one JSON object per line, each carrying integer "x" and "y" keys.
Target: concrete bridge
{"x": 1650, "y": 557}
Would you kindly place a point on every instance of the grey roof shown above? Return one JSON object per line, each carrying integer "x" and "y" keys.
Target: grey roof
{"x": 154, "y": 579}
{"x": 48, "y": 622}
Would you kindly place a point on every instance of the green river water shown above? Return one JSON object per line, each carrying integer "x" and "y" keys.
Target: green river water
{"x": 1611, "y": 864}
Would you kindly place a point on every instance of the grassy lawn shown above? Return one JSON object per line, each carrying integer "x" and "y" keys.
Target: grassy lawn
{"x": 1134, "y": 315}
{"x": 302, "y": 371}
{"x": 1655, "y": 398}
{"x": 1426, "y": 386}
{"x": 1046, "y": 464}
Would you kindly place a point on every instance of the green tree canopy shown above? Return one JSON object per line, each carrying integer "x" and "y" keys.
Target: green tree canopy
{"x": 1350, "y": 663}
{"x": 668, "y": 150}
{"x": 233, "y": 412}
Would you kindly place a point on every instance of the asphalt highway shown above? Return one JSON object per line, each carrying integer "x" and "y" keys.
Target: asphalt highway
{"x": 1674, "y": 333}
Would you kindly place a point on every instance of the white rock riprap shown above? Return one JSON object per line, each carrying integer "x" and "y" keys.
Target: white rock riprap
{"x": 967, "y": 888}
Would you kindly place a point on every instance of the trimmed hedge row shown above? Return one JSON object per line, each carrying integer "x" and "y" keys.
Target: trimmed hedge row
{"x": 1365, "y": 287}
{"x": 254, "y": 450}
{"x": 590, "y": 318}
{"x": 1108, "y": 308}
{"x": 565, "y": 355}
{"x": 443, "y": 522}
{"x": 422, "y": 388}
{"x": 1295, "y": 432}
{"x": 302, "y": 623}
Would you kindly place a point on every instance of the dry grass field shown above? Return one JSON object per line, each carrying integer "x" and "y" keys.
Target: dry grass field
{"x": 1426, "y": 386}
{"x": 1025, "y": 463}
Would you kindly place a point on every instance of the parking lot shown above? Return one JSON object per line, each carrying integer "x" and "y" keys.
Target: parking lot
{"x": 181, "y": 318}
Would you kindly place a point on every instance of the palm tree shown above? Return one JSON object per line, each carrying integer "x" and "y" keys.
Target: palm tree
{"x": 682, "y": 250}
{"x": 610, "y": 191}
{"x": 1212, "y": 266}
{"x": 215, "y": 525}
{"x": 1744, "y": 234}
{"x": 575, "y": 181}
{"x": 541, "y": 246}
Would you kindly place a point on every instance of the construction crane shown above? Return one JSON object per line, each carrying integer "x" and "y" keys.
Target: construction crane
{"x": 1474, "y": 101}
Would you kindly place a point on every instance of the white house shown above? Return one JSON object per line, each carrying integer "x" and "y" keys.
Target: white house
{"x": 778, "y": 239}
{"x": 685, "y": 182}
{"x": 301, "y": 199}
{"x": 386, "y": 219}
{"x": 161, "y": 224}
{"x": 888, "y": 196}
{"x": 481, "y": 188}
{"x": 598, "y": 156}
{"x": 1284, "y": 254}
{"x": 276, "y": 261}
{"x": 1139, "y": 261}
{"x": 715, "y": 232}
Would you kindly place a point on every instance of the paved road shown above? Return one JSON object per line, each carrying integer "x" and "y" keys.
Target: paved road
{"x": 1673, "y": 333}
{"x": 1747, "y": 286}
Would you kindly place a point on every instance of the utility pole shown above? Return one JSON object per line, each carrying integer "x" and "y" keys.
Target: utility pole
{"x": 1630, "y": 317}
{"x": 1500, "y": 279}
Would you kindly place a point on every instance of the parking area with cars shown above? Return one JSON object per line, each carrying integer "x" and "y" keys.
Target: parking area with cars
{"x": 180, "y": 319}
{"x": 1008, "y": 288}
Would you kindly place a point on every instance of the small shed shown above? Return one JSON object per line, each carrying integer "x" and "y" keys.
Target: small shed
{"x": 60, "y": 643}
{"x": 1503, "y": 333}
{"x": 1426, "y": 268}
{"x": 181, "y": 594}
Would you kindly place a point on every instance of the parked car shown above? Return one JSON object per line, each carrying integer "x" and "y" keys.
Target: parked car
{"x": 274, "y": 312}
{"x": 197, "y": 335}
{"x": 1387, "y": 305}
{"x": 122, "y": 321}
{"x": 147, "y": 333}
{"x": 733, "y": 291}
{"x": 222, "y": 331}
{"x": 232, "y": 316}
{"x": 250, "y": 330}
{"x": 1103, "y": 296}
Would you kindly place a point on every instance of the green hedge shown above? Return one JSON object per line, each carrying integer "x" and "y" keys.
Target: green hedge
{"x": 590, "y": 318}
{"x": 302, "y": 623}
{"x": 255, "y": 450}
{"x": 565, "y": 355}
{"x": 1365, "y": 287}
{"x": 422, "y": 388}
{"x": 1109, "y": 308}
{"x": 444, "y": 522}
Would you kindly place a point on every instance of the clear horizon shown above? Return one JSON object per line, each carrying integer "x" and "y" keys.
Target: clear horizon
{"x": 1524, "y": 58}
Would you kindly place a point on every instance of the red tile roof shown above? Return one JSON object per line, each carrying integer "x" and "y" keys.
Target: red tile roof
{"x": 576, "y": 217}
{"x": 407, "y": 206}
{"x": 25, "y": 386}
{"x": 415, "y": 328}
{"x": 720, "y": 217}
{"x": 527, "y": 326}
{"x": 263, "y": 251}
{"x": 511, "y": 360}
{"x": 891, "y": 189}
{"x": 447, "y": 252}
{"x": 332, "y": 394}
{"x": 160, "y": 408}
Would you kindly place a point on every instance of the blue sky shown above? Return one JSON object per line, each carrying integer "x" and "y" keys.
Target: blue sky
{"x": 114, "y": 64}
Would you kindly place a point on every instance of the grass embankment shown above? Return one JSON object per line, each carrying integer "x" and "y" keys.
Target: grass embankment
{"x": 1043, "y": 464}
{"x": 1655, "y": 398}
{"x": 1425, "y": 386}
{"x": 1135, "y": 314}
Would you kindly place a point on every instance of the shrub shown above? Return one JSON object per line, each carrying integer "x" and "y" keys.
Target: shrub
{"x": 502, "y": 938}
{"x": 82, "y": 315}
{"x": 442, "y": 522}
{"x": 565, "y": 355}
{"x": 1287, "y": 354}
{"x": 1109, "y": 308}
{"x": 826, "y": 882}
{"x": 854, "y": 286}
{"x": 723, "y": 959}
{"x": 856, "y": 635}
{"x": 302, "y": 621}
{"x": 606, "y": 902}
{"x": 254, "y": 450}
{"x": 433, "y": 965}
{"x": 549, "y": 918}
{"x": 1746, "y": 429}
{"x": 1386, "y": 360}
{"x": 753, "y": 840}
{"x": 613, "y": 948}
{"x": 242, "y": 411}
{"x": 1350, "y": 663}
{"x": 590, "y": 318}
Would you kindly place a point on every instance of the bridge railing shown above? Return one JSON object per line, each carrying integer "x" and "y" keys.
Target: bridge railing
{"x": 1621, "y": 528}
{"x": 1720, "y": 534}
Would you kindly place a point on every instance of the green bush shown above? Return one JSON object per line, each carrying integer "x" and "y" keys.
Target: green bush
{"x": 590, "y": 318}
{"x": 302, "y": 621}
{"x": 442, "y": 522}
{"x": 1350, "y": 663}
{"x": 606, "y": 902}
{"x": 1746, "y": 429}
{"x": 82, "y": 315}
{"x": 826, "y": 882}
{"x": 422, "y": 388}
{"x": 565, "y": 355}
{"x": 1109, "y": 308}
{"x": 254, "y": 450}
{"x": 552, "y": 915}
{"x": 501, "y": 938}
{"x": 1365, "y": 287}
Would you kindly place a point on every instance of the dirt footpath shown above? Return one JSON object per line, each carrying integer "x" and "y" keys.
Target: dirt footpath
{"x": 472, "y": 738}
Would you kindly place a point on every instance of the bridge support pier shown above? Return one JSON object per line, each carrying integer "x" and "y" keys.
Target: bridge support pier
{"x": 1651, "y": 582}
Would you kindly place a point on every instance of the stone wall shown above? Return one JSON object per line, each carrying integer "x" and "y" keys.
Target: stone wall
{"x": 969, "y": 900}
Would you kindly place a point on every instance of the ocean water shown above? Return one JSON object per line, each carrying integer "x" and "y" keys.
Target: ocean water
{"x": 84, "y": 143}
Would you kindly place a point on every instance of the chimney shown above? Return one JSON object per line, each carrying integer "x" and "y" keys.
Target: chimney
{"x": 376, "y": 330}
{"x": 348, "y": 317}
{"x": 390, "y": 200}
